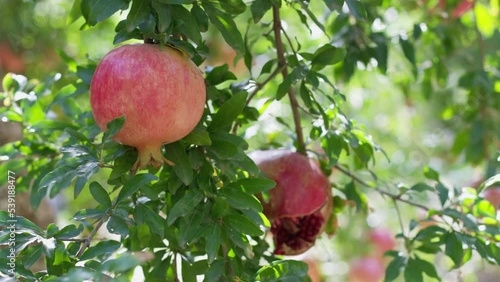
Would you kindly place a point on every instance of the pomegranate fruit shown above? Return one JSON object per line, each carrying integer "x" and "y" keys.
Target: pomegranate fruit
{"x": 366, "y": 269}
{"x": 383, "y": 240}
{"x": 301, "y": 202}
{"x": 492, "y": 195}
{"x": 157, "y": 88}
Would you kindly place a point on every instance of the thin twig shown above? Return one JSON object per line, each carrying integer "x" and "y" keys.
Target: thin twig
{"x": 301, "y": 147}
{"x": 383, "y": 192}
{"x": 100, "y": 222}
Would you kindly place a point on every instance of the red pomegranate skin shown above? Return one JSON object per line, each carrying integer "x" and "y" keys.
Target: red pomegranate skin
{"x": 300, "y": 204}
{"x": 492, "y": 194}
{"x": 382, "y": 239}
{"x": 158, "y": 89}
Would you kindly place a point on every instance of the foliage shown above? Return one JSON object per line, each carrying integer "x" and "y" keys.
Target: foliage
{"x": 202, "y": 216}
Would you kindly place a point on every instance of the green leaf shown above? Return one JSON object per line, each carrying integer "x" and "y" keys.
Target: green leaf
{"x": 394, "y": 268}
{"x": 200, "y": 17}
{"x": 421, "y": 187}
{"x": 413, "y": 272}
{"x": 228, "y": 112}
{"x": 134, "y": 184}
{"x": 334, "y": 5}
{"x": 259, "y": 9}
{"x": 113, "y": 127}
{"x": 177, "y": 154}
{"x": 117, "y": 225}
{"x": 254, "y": 185}
{"x": 234, "y": 7}
{"x": 101, "y": 248}
{"x": 284, "y": 87}
{"x": 241, "y": 200}
{"x": 242, "y": 224}
{"x": 164, "y": 16}
{"x": 454, "y": 249}
{"x": 219, "y": 75}
{"x": 69, "y": 231}
{"x": 138, "y": 13}
{"x": 151, "y": 218}
{"x": 227, "y": 27}
{"x": 213, "y": 240}
{"x": 185, "y": 205}
{"x": 443, "y": 193}
{"x": 328, "y": 55}
{"x": 199, "y": 136}
{"x": 188, "y": 24}
{"x": 75, "y": 12}
{"x": 95, "y": 11}
{"x": 100, "y": 194}
{"x": 408, "y": 49}
{"x": 283, "y": 270}
{"x": 89, "y": 214}
{"x": 30, "y": 256}
{"x": 357, "y": 9}
{"x": 215, "y": 271}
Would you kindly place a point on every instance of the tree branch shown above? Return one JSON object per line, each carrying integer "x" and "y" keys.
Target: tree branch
{"x": 301, "y": 147}
{"x": 383, "y": 192}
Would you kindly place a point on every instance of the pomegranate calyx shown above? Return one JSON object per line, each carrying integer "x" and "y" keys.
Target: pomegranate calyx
{"x": 150, "y": 156}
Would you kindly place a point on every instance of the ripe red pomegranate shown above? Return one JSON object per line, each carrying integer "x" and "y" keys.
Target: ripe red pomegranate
{"x": 366, "y": 269}
{"x": 158, "y": 89}
{"x": 382, "y": 239}
{"x": 300, "y": 204}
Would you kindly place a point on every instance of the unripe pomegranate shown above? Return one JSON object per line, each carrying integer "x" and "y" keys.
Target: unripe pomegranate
{"x": 300, "y": 204}
{"x": 366, "y": 269}
{"x": 158, "y": 89}
{"x": 382, "y": 239}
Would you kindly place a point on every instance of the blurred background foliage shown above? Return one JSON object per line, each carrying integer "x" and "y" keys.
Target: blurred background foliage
{"x": 421, "y": 77}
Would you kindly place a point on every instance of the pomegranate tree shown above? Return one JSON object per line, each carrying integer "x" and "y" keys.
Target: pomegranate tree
{"x": 158, "y": 89}
{"x": 300, "y": 204}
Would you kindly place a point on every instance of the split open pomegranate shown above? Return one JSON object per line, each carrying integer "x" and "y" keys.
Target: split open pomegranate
{"x": 299, "y": 205}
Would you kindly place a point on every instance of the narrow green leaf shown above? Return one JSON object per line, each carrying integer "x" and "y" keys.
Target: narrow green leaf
{"x": 185, "y": 205}
{"x": 394, "y": 268}
{"x": 134, "y": 184}
{"x": 254, "y": 185}
{"x": 234, "y": 7}
{"x": 259, "y": 9}
{"x": 113, "y": 127}
{"x": 199, "y": 136}
{"x": 413, "y": 272}
{"x": 177, "y": 154}
{"x": 151, "y": 218}
{"x": 164, "y": 16}
{"x": 328, "y": 55}
{"x": 75, "y": 12}
{"x": 69, "y": 231}
{"x": 200, "y": 16}
{"x": 95, "y": 11}
{"x": 242, "y": 224}
{"x": 227, "y": 27}
{"x": 213, "y": 240}
{"x": 408, "y": 49}
{"x": 357, "y": 9}
{"x": 241, "y": 200}
{"x": 443, "y": 193}
{"x": 228, "y": 112}
{"x": 101, "y": 248}
{"x": 284, "y": 270}
{"x": 138, "y": 13}
{"x": 454, "y": 249}
{"x": 284, "y": 87}
{"x": 100, "y": 194}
